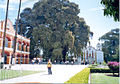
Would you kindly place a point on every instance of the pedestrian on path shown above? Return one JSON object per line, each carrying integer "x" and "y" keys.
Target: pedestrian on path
{"x": 49, "y": 65}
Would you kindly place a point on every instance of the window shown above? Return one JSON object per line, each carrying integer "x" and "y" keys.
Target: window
{"x": 13, "y": 44}
{"x": 18, "y": 46}
{"x": 8, "y": 25}
{"x": 6, "y": 42}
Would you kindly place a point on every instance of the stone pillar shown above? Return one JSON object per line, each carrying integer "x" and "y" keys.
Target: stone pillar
{"x": 15, "y": 57}
{"x": 84, "y": 57}
{"x": 16, "y": 46}
{"x": 92, "y": 55}
{"x": 9, "y": 44}
{"x": 90, "y": 58}
{"x": 23, "y": 60}
{"x": 24, "y": 48}
{"x": 28, "y": 47}
{"x": 2, "y": 25}
{"x": 27, "y": 60}
{"x": 87, "y": 55}
{"x": 0, "y": 42}
{"x": 20, "y": 45}
{"x": 10, "y": 58}
{"x": 1, "y": 34}
{"x": 95, "y": 56}
{"x": 19, "y": 60}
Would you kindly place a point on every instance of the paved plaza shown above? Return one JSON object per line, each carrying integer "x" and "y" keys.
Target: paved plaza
{"x": 61, "y": 73}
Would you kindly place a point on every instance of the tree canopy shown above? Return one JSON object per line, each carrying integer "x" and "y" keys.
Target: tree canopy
{"x": 111, "y": 8}
{"x": 55, "y": 27}
{"x": 111, "y": 45}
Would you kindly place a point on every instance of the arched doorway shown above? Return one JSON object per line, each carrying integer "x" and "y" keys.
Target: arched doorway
{"x": 5, "y": 58}
{"x": 8, "y": 42}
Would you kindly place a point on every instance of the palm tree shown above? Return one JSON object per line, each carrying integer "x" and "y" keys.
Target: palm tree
{"x": 6, "y": 17}
{"x": 14, "y": 50}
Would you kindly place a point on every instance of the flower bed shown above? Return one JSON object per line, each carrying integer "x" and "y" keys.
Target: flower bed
{"x": 81, "y": 77}
{"x": 114, "y": 67}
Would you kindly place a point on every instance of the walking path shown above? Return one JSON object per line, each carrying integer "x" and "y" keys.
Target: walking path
{"x": 61, "y": 73}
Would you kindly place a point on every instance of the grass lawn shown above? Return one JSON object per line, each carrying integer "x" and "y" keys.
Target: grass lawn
{"x": 81, "y": 77}
{"x": 105, "y": 78}
{"x": 7, "y": 74}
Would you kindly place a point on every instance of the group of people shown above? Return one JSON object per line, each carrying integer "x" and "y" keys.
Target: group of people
{"x": 36, "y": 61}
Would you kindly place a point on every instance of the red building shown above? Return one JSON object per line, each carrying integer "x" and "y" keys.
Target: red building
{"x": 22, "y": 45}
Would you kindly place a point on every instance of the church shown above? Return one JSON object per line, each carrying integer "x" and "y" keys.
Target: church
{"x": 92, "y": 55}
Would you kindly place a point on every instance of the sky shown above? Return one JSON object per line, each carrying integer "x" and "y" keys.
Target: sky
{"x": 90, "y": 10}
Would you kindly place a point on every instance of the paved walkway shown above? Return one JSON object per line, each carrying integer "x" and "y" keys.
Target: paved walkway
{"x": 61, "y": 73}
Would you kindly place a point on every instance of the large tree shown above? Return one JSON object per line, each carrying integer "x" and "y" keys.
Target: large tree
{"x": 111, "y": 45}
{"x": 111, "y": 8}
{"x": 54, "y": 26}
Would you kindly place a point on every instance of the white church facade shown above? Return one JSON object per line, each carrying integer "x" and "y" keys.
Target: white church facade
{"x": 92, "y": 55}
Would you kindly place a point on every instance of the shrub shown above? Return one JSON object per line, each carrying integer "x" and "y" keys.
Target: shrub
{"x": 92, "y": 66}
{"x": 81, "y": 77}
{"x": 104, "y": 63}
{"x": 99, "y": 70}
{"x": 114, "y": 67}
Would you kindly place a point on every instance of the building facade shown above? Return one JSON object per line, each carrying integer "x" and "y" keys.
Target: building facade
{"x": 22, "y": 45}
{"x": 92, "y": 55}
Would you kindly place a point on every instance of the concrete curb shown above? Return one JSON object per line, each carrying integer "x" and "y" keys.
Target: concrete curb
{"x": 89, "y": 78}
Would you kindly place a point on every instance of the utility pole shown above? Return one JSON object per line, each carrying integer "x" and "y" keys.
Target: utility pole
{"x": 6, "y": 17}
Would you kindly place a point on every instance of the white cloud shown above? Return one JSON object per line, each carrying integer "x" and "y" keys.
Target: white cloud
{"x": 96, "y": 9}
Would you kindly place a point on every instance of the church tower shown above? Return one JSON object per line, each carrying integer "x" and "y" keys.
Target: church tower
{"x": 99, "y": 47}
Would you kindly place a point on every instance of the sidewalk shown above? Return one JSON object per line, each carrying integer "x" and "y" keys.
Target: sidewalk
{"x": 61, "y": 73}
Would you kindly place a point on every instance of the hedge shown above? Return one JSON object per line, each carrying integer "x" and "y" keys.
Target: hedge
{"x": 81, "y": 77}
{"x": 100, "y": 70}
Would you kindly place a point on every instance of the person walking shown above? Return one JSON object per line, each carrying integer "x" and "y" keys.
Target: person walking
{"x": 49, "y": 65}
